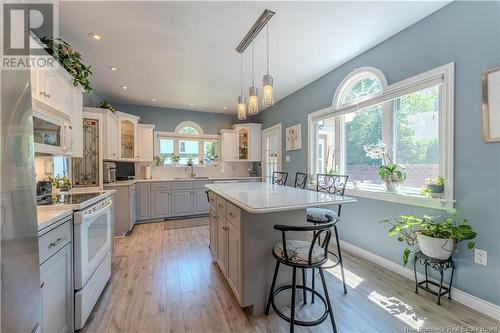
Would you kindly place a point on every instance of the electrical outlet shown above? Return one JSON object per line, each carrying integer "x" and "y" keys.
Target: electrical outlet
{"x": 287, "y": 158}
{"x": 480, "y": 257}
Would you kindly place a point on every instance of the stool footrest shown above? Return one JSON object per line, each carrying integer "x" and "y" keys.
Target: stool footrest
{"x": 300, "y": 322}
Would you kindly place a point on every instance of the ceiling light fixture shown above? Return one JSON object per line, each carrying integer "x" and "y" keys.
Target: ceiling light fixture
{"x": 225, "y": 108}
{"x": 267, "y": 80}
{"x": 124, "y": 87}
{"x": 153, "y": 99}
{"x": 242, "y": 99}
{"x": 191, "y": 104}
{"x": 253, "y": 98}
{"x": 95, "y": 36}
{"x": 113, "y": 68}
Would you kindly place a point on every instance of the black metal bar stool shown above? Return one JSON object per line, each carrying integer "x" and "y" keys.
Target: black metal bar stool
{"x": 334, "y": 185}
{"x": 280, "y": 177}
{"x": 300, "y": 180}
{"x": 302, "y": 255}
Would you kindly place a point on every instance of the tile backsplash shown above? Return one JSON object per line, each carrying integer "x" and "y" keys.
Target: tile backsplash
{"x": 239, "y": 169}
{"x": 44, "y": 167}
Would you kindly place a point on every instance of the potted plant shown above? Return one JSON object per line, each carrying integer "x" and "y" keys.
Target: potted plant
{"x": 434, "y": 187}
{"x": 70, "y": 60}
{"x": 175, "y": 159}
{"x": 392, "y": 174}
{"x": 436, "y": 236}
{"x": 106, "y": 105}
{"x": 60, "y": 183}
{"x": 160, "y": 159}
{"x": 330, "y": 166}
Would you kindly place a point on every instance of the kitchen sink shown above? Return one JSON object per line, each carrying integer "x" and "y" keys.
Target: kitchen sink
{"x": 186, "y": 178}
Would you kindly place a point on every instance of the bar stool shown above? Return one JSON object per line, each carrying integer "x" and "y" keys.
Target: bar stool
{"x": 333, "y": 185}
{"x": 300, "y": 254}
{"x": 280, "y": 177}
{"x": 300, "y": 180}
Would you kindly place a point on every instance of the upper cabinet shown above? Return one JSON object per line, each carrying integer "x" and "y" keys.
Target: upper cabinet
{"x": 243, "y": 143}
{"x": 109, "y": 135}
{"x": 145, "y": 142}
{"x": 127, "y": 136}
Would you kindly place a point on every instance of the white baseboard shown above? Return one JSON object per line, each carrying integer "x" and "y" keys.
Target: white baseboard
{"x": 473, "y": 302}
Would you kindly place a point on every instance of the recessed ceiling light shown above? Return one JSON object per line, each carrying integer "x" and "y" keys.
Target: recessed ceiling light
{"x": 113, "y": 68}
{"x": 191, "y": 104}
{"x": 124, "y": 87}
{"x": 95, "y": 36}
{"x": 225, "y": 108}
{"x": 153, "y": 99}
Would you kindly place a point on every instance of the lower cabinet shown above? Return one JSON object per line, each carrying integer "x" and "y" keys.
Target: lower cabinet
{"x": 56, "y": 281}
{"x": 160, "y": 203}
{"x": 143, "y": 201}
{"x": 133, "y": 205}
{"x": 181, "y": 203}
{"x": 200, "y": 202}
{"x": 225, "y": 247}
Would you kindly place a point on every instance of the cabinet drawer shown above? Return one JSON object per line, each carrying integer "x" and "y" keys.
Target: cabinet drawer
{"x": 54, "y": 240}
{"x": 233, "y": 215}
{"x": 162, "y": 186}
{"x": 183, "y": 185}
{"x": 212, "y": 197}
{"x": 221, "y": 206}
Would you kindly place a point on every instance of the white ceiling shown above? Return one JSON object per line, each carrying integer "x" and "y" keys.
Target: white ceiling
{"x": 182, "y": 53}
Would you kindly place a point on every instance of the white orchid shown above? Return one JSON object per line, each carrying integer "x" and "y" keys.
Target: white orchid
{"x": 377, "y": 151}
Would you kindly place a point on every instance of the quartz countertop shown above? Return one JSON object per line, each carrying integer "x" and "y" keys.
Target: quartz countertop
{"x": 267, "y": 198}
{"x": 134, "y": 181}
{"x": 47, "y": 217}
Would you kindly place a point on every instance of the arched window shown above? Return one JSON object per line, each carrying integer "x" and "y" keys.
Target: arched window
{"x": 361, "y": 84}
{"x": 188, "y": 128}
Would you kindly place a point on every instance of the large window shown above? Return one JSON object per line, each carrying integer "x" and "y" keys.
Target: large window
{"x": 187, "y": 143}
{"x": 413, "y": 118}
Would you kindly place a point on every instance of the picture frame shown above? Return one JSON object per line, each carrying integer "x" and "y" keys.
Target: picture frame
{"x": 294, "y": 137}
{"x": 491, "y": 105}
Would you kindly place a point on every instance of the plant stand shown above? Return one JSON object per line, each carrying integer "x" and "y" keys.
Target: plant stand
{"x": 437, "y": 265}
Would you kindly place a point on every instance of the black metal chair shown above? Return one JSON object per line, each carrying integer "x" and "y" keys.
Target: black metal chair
{"x": 300, "y": 180}
{"x": 334, "y": 185}
{"x": 280, "y": 177}
{"x": 300, "y": 254}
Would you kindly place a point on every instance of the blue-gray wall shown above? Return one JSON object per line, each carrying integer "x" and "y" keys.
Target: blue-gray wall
{"x": 167, "y": 119}
{"x": 469, "y": 35}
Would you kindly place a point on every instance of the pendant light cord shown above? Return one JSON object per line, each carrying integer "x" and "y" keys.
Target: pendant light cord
{"x": 267, "y": 47}
{"x": 253, "y": 63}
{"x": 241, "y": 75}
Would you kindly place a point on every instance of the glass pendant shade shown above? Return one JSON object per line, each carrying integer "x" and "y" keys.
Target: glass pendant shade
{"x": 267, "y": 90}
{"x": 242, "y": 107}
{"x": 253, "y": 101}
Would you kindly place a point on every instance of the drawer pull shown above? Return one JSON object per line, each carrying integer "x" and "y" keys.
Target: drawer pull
{"x": 42, "y": 284}
{"x": 231, "y": 214}
{"x": 57, "y": 242}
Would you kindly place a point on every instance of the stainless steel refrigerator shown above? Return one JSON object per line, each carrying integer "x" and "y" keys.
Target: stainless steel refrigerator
{"x": 20, "y": 274}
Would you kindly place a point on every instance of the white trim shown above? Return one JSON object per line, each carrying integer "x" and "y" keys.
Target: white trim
{"x": 188, "y": 123}
{"x": 265, "y": 132}
{"x": 173, "y": 135}
{"x": 443, "y": 75}
{"x": 471, "y": 301}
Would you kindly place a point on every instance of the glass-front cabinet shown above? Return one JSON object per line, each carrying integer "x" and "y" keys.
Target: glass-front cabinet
{"x": 128, "y": 136}
{"x": 242, "y": 135}
{"x": 249, "y": 141}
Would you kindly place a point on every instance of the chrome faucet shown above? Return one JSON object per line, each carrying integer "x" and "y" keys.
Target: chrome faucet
{"x": 191, "y": 171}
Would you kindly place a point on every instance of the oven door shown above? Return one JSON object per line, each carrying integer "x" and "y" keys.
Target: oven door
{"x": 92, "y": 240}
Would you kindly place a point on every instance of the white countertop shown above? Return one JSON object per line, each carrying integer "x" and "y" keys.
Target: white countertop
{"x": 47, "y": 215}
{"x": 267, "y": 198}
{"x": 134, "y": 181}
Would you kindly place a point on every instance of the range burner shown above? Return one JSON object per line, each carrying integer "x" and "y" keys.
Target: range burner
{"x": 66, "y": 199}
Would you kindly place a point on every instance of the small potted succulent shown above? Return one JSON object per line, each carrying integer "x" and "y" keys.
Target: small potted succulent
{"x": 434, "y": 187}
{"x": 175, "y": 159}
{"x": 393, "y": 174}
{"x": 160, "y": 159}
{"x": 436, "y": 236}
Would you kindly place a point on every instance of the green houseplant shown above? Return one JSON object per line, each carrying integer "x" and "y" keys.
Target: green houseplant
{"x": 393, "y": 174}
{"x": 176, "y": 158}
{"x": 434, "y": 187}
{"x": 106, "y": 105}
{"x": 437, "y": 236}
{"x": 69, "y": 60}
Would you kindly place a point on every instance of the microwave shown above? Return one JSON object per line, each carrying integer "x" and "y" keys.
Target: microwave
{"x": 51, "y": 135}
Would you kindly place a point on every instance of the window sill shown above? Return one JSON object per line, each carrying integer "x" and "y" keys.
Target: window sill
{"x": 409, "y": 198}
{"x": 185, "y": 166}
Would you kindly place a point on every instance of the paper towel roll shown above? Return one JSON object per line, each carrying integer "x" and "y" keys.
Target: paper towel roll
{"x": 147, "y": 172}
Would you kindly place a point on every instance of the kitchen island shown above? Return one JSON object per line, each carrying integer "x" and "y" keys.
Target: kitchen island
{"x": 242, "y": 236}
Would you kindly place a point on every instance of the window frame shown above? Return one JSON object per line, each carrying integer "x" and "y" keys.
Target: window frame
{"x": 176, "y": 137}
{"x": 444, "y": 76}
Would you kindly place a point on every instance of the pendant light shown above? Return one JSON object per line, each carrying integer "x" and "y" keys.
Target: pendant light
{"x": 267, "y": 81}
{"x": 253, "y": 98}
{"x": 242, "y": 100}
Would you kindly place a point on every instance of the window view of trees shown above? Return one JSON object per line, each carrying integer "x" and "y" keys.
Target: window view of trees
{"x": 361, "y": 89}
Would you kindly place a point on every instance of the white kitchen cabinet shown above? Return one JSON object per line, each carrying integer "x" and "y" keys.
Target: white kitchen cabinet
{"x": 56, "y": 275}
{"x": 248, "y": 138}
{"x": 143, "y": 201}
{"x": 222, "y": 243}
{"x": 213, "y": 232}
{"x": 109, "y": 135}
{"x": 53, "y": 89}
{"x": 233, "y": 258}
{"x": 145, "y": 142}
{"x": 182, "y": 203}
{"x": 76, "y": 128}
{"x": 127, "y": 136}
{"x": 200, "y": 202}
{"x": 228, "y": 146}
{"x": 160, "y": 204}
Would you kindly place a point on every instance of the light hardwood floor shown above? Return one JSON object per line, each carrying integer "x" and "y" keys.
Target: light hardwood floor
{"x": 165, "y": 281}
